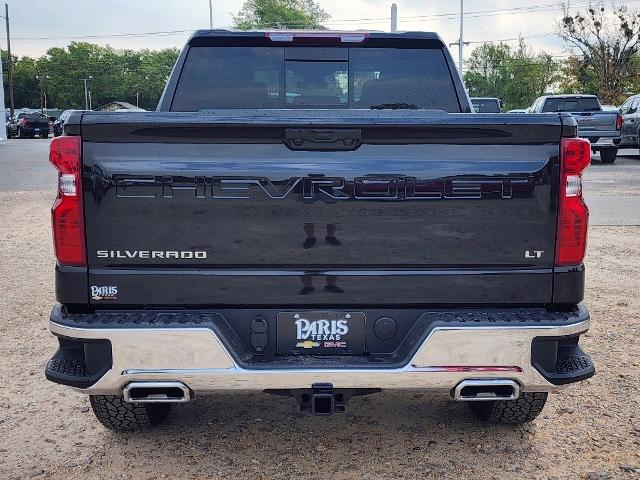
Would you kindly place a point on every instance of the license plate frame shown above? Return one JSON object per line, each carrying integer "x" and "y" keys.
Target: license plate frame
{"x": 321, "y": 332}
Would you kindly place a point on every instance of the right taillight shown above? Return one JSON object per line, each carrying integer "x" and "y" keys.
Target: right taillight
{"x": 573, "y": 214}
{"x": 619, "y": 122}
{"x": 66, "y": 213}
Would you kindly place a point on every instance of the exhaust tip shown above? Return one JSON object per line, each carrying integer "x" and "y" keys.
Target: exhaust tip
{"x": 156, "y": 392}
{"x": 486, "y": 390}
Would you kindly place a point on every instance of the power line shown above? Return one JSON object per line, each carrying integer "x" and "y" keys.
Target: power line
{"x": 416, "y": 18}
{"x": 511, "y": 39}
{"x": 110, "y": 35}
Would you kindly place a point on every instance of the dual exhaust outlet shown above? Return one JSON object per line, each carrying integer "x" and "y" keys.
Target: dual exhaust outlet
{"x": 323, "y": 400}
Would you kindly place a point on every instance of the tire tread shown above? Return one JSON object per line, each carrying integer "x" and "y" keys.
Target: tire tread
{"x": 521, "y": 410}
{"x": 120, "y": 416}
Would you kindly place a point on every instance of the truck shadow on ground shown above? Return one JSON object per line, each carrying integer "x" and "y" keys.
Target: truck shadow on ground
{"x": 389, "y": 430}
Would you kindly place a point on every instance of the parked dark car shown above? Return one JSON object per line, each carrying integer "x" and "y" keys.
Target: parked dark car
{"x": 486, "y": 105}
{"x": 58, "y": 125}
{"x": 28, "y": 125}
{"x": 630, "y": 111}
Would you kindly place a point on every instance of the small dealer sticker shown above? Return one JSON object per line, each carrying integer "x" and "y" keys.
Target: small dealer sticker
{"x": 108, "y": 292}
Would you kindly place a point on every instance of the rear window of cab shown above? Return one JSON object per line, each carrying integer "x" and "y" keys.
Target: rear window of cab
{"x": 335, "y": 78}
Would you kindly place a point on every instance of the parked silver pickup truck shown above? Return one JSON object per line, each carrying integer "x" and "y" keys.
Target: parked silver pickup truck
{"x": 600, "y": 127}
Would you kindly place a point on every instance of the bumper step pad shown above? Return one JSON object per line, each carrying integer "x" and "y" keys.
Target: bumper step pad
{"x": 561, "y": 360}
{"x": 79, "y": 364}
{"x": 573, "y": 364}
{"x": 72, "y": 367}
{"x": 69, "y": 368}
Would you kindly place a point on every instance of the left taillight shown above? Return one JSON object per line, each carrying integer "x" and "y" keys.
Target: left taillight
{"x": 573, "y": 214}
{"x": 66, "y": 214}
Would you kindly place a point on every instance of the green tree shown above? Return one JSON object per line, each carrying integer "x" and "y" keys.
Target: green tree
{"x": 26, "y": 84}
{"x": 137, "y": 77}
{"x": 295, "y": 14}
{"x": 26, "y": 89}
{"x": 151, "y": 76}
{"x": 609, "y": 44}
{"x": 128, "y": 75}
{"x": 515, "y": 75}
{"x": 66, "y": 67}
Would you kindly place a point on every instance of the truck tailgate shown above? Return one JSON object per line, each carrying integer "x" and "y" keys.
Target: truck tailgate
{"x": 596, "y": 122}
{"x": 404, "y": 207}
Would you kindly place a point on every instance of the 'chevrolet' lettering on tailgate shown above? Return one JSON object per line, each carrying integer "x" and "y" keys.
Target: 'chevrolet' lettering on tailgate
{"x": 389, "y": 188}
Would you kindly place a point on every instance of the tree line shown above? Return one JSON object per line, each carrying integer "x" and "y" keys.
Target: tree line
{"x": 607, "y": 62}
{"x": 137, "y": 77}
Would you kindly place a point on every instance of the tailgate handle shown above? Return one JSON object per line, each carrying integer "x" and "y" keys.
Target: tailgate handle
{"x": 322, "y": 139}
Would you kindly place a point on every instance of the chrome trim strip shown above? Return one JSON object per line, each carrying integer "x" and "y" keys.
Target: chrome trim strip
{"x": 121, "y": 270}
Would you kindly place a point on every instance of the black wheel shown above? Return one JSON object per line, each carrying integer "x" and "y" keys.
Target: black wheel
{"x": 44, "y": 135}
{"x": 521, "y": 410}
{"x": 120, "y": 416}
{"x": 19, "y": 135}
{"x": 608, "y": 155}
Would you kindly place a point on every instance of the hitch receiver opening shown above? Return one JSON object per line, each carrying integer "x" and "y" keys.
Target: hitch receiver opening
{"x": 323, "y": 399}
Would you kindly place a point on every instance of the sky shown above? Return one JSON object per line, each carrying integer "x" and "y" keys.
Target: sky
{"x": 37, "y": 25}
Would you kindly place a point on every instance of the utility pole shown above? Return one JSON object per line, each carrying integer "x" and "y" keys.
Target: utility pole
{"x": 42, "y": 101}
{"x": 461, "y": 43}
{"x": 86, "y": 92}
{"x": 9, "y": 60}
{"x": 210, "y": 15}
{"x": 394, "y": 18}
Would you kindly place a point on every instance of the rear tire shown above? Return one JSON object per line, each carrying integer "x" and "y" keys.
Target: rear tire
{"x": 45, "y": 135}
{"x": 608, "y": 155}
{"x": 521, "y": 410}
{"x": 120, "y": 416}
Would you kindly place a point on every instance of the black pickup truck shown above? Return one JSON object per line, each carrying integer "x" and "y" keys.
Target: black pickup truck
{"x": 318, "y": 215}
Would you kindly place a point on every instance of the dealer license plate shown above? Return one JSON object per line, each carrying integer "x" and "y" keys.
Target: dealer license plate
{"x": 321, "y": 333}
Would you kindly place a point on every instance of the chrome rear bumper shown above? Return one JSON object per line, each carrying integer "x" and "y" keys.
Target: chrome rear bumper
{"x": 196, "y": 357}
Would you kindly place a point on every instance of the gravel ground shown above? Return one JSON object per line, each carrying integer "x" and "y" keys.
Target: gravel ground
{"x": 589, "y": 430}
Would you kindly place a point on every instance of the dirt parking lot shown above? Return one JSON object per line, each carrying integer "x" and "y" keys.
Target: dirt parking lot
{"x": 590, "y": 430}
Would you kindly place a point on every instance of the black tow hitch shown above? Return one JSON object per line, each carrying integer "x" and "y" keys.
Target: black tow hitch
{"x": 322, "y": 398}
